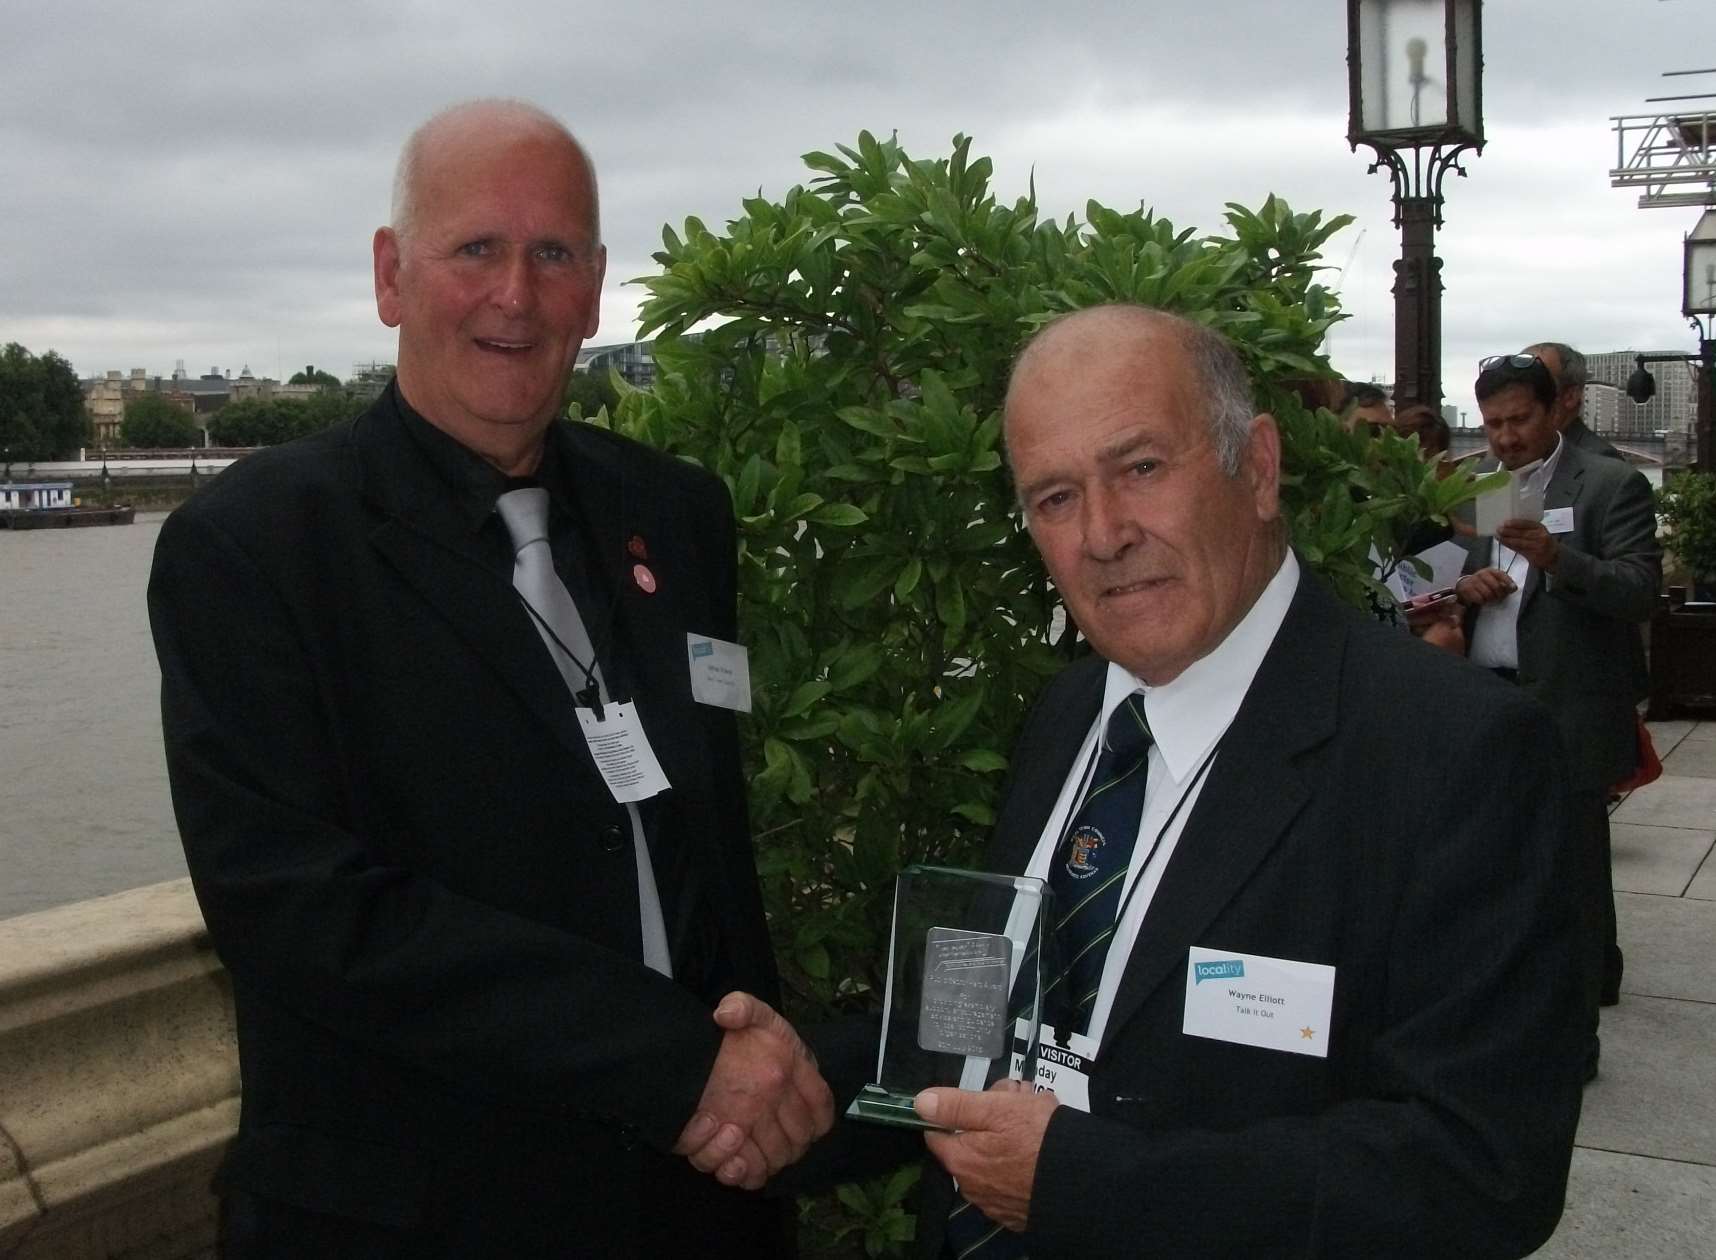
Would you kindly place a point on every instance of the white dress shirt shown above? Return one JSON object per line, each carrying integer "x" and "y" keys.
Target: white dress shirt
{"x": 1495, "y": 635}
{"x": 1187, "y": 719}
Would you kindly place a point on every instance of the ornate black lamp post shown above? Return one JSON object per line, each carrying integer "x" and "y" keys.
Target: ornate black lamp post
{"x": 1698, "y": 304}
{"x": 1700, "y": 301}
{"x": 1415, "y": 70}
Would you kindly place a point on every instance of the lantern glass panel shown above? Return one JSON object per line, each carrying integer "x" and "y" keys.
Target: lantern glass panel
{"x": 1701, "y": 278}
{"x": 1403, "y": 65}
{"x": 1466, "y": 67}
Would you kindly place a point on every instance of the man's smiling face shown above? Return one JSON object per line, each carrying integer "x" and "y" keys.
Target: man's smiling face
{"x": 494, "y": 285}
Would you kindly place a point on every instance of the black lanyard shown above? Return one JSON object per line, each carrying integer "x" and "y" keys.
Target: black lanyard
{"x": 590, "y": 695}
{"x": 1150, "y": 854}
{"x": 1062, "y": 1035}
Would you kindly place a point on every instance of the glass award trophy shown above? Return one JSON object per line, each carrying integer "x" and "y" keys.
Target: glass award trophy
{"x": 964, "y": 966}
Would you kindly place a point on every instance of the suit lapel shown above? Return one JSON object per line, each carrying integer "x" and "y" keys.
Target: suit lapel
{"x": 1254, "y": 791}
{"x": 434, "y": 552}
{"x": 1563, "y": 490}
{"x": 620, "y": 503}
{"x": 1041, "y": 765}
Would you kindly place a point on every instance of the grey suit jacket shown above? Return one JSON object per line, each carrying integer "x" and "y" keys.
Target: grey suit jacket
{"x": 1579, "y": 647}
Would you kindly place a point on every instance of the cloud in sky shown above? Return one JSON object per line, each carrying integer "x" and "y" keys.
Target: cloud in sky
{"x": 200, "y": 181}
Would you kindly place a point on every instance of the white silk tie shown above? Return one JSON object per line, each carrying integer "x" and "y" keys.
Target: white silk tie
{"x": 525, "y": 514}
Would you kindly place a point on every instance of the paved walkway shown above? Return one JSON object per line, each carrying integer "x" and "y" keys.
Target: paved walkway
{"x": 1644, "y": 1172}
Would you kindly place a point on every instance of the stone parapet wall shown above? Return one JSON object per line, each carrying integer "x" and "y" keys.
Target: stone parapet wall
{"x": 118, "y": 1079}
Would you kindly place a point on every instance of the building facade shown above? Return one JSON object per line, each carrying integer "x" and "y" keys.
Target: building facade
{"x": 1609, "y": 412}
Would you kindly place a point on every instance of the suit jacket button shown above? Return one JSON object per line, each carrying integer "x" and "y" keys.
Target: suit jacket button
{"x": 612, "y": 838}
{"x": 628, "y": 1138}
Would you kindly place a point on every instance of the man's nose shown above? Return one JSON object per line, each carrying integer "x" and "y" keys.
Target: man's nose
{"x": 515, "y": 287}
{"x": 1108, "y": 528}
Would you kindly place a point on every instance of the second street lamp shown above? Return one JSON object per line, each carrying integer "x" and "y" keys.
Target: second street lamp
{"x": 1699, "y": 306}
{"x": 1414, "y": 72}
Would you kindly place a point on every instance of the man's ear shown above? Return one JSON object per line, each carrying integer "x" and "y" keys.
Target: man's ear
{"x": 1260, "y": 465}
{"x": 596, "y": 295}
{"x": 387, "y": 300}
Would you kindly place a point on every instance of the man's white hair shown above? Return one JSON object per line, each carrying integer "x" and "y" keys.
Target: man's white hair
{"x": 467, "y": 115}
{"x": 1230, "y": 405}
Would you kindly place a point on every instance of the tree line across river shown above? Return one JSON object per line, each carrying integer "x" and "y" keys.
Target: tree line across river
{"x": 42, "y": 414}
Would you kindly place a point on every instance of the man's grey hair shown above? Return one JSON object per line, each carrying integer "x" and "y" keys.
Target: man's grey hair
{"x": 1573, "y": 371}
{"x": 473, "y": 113}
{"x": 1217, "y": 368}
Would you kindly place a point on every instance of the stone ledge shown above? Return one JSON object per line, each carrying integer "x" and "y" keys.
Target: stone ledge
{"x": 118, "y": 1078}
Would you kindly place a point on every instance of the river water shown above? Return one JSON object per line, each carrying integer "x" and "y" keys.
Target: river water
{"x": 84, "y": 808}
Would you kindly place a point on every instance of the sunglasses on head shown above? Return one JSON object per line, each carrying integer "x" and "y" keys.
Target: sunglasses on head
{"x": 1507, "y": 360}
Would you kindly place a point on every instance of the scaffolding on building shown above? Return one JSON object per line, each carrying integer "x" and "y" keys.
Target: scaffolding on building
{"x": 1670, "y": 157}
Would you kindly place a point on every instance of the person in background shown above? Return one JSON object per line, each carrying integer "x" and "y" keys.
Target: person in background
{"x": 1555, "y": 606}
{"x": 1567, "y": 366}
{"x": 1430, "y": 430}
{"x": 1365, "y": 404}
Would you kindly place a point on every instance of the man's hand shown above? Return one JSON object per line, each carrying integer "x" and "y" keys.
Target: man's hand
{"x": 765, "y": 1102}
{"x": 1540, "y": 547}
{"x": 993, "y": 1154}
{"x": 1486, "y": 586}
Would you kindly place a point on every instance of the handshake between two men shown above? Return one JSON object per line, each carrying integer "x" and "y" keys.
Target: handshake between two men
{"x": 765, "y": 1101}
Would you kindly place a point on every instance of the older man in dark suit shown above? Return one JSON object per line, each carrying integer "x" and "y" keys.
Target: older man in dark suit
{"x": 1557, "y": 606}
{"x": 1567, "y": 366}
{"x": 475, "y": 859}
{"x": 1322, "y": 997}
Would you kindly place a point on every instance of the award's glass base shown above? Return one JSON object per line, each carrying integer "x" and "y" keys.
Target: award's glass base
{"x": 882, "y": 1106}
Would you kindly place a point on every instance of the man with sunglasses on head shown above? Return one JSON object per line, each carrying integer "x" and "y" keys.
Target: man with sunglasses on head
{"x": 1555, "y": 606}
{"x": 1567, "y": 366}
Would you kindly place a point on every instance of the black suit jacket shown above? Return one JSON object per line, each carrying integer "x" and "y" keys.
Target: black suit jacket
{"x": 1384, "y": 809}
{"x": 425, "y": 895}
{"x": 1586, "y": 439}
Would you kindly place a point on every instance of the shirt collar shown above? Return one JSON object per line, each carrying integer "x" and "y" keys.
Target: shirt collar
{"x": 474, "y": 482}
{"x": 1537, "y": 474}
{"x": 1187, "y": 716}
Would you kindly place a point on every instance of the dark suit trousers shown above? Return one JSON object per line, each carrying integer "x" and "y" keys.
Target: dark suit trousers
{"x": 1602, "y": 952}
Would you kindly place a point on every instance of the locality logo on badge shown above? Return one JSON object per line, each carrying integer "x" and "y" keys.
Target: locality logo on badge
{"x": 1222, "y": 969}
{"x": 1082, "y": 847}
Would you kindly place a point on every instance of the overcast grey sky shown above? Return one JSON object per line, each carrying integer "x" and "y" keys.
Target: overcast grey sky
{"x": 195, "y": 180}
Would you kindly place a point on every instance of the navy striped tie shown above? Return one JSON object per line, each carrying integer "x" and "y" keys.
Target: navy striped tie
{"x": 1088, "y": 871}
{"x": 1087, "y": 874}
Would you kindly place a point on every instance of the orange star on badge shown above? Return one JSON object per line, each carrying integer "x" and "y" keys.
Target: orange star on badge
{"x": 1308, "y": 1034}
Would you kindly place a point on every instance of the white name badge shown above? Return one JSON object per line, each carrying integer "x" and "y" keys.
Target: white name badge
{"x": 720, "y": 672}
{"x": 1271, "y": 1003}
{"x": 1063, "y": 1069}
{"x": 622, "y": 753}
{"x": 1558, "y": 520}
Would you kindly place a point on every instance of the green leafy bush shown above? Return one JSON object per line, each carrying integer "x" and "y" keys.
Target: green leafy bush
{"x": 1687, "y": 505}
{"x": 898, "y": 620}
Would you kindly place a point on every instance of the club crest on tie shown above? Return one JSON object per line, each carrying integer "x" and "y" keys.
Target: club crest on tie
{"x": 1083, "y": 844}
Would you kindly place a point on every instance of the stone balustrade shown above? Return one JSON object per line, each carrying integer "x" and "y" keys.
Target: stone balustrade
{"x": 118, "y": 1079}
